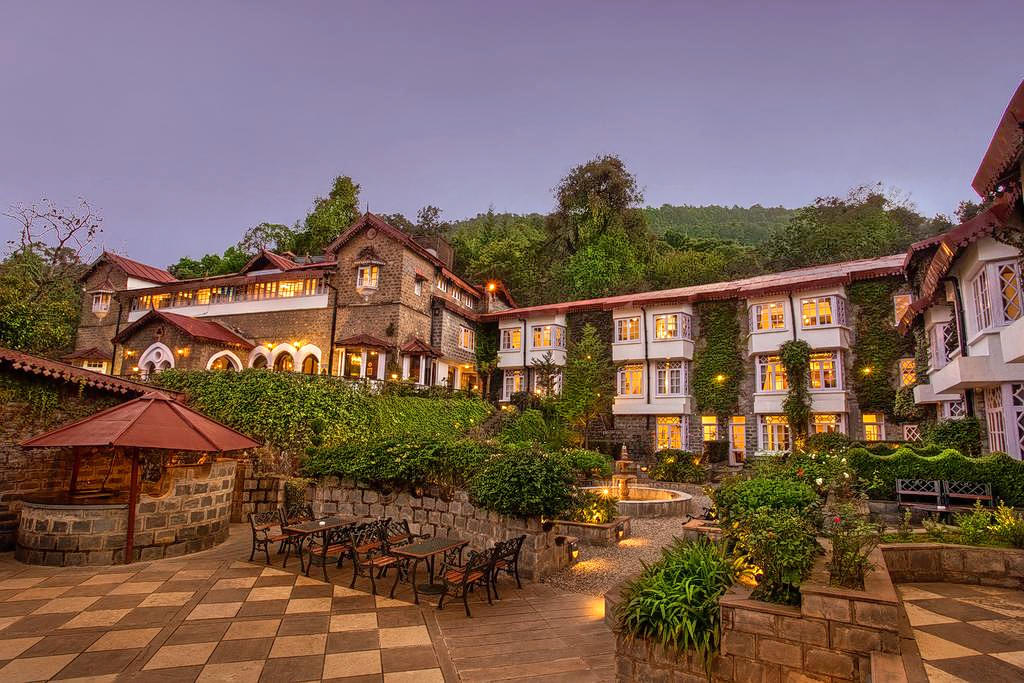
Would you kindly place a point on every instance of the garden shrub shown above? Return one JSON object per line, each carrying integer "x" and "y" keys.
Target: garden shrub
{"x": 592, "y": 507}
{"x": 588, "y": 464}
{"x": 853, "y": 536}
{"x": 827, "y": 443}
{"x": 674, "y": 602}
{"x": 781, "y": 543}
{"x": 878, "y": 474}
{"x": 1008, "y": 526}
{"x": 524, "y": 482}
{"x": 717, "y": 451}
{"x": 737, "y": 499}
{"x": 532, "y": 427}
{"x": 973, "y": 524}
{"x": 963, "y": 435}
{"x": 679, "y": 466}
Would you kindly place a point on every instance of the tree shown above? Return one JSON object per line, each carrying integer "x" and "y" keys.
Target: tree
{"x": 486, "y": 357}
{"x": 588, "y": 382}
{"x": 428, "y": 221}
{"x": 546, "y": 372}
{"x": 330, "y": 215}
{"x": 232, "y": 261}
{"x": 273, "y": 236}
{"x": 40, "y": 296}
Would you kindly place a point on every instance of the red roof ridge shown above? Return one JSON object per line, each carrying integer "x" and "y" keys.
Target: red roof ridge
{"x": 197, "y": 328}
{"x": 1005, "y": 143}
{"x": 135, "y": 268}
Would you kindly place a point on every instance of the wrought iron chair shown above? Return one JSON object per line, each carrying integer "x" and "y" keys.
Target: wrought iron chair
{"x": 399, "y": 534}
{"x": 459, "y": 581}
{"x": 506, "y": 559}
{"x": 266, "y": 531}
{"x": 337, "y": 541}
{"x": 919, "y": 494}
{"x": 371, "y": 555}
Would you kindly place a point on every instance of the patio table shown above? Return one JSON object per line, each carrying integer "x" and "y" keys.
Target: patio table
{"x": 427, "y": 549}
{"x": 311, "y": 528}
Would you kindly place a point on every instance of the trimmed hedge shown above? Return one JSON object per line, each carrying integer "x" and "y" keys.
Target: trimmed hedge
{"x": 737, "y": 499}
{"x": 878, "y": 473}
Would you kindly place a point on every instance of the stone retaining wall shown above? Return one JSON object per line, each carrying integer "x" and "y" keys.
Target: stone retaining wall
{"x": 255, "y": 492}
{"x": 925, "y": 562}
{"x": 595, "y": 534}
{"x": 443, "y": 513}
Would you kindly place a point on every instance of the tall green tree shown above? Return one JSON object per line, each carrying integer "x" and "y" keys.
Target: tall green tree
{"x": 231, "y": 261}
{"x": 330, "y": 215}
{"x": 588, "y": 382}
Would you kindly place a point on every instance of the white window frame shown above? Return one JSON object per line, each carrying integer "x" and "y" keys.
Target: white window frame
{"x": 628, "y": 325}
{"x": 467, "y": 333}
{"x": 623, "y": 375}
{"x": 512, "y": 382}
{"x": 756, "y": 317}
{"x": 663, "y": 371}
{"x": 99, "y": 366}
{"x": 512, "y": 339}
{"x": 826, "y": 420}
{"x": 417, "y": 287}
{"x": 814, "y": 323}
{"x": 682, "y": 325}
{"x": 763, "y": 361}
{"x": 555, "y": 336}
{"x": 879, "y": 423}
{"x": 773, "y": 433}
{"x": 820, "y": 357}
{"x": 368, "y": 276}
{"x": 982, "y": 301}
{"x": 997, "y": 269}
{"x": 670, "y": 432}
{"x": 101, "y": 302}
{"x": 954, "y": 410}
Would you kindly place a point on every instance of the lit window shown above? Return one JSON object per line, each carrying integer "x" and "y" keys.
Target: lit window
{"x": 816, "y": 311}
{"x": 771, "y": 374}
{"x": 1008, "y": 277}
{"x": 669, "y": 379}
{"x": 824, "y": 373}
{"x": 874, "y": 426}
{"x": 824, "y": 423}
{"x": 900, "y": 304}
{"x": 672, "y": 326}
{"x": 512, "y": 339}
{"x": 96, "y": 366}
{"x": 548, "y": 337}
{"x": 908, "y": 372}
{"x": 631, "y": 380}
{"x": 911, "y": 433}
{"x": 982, "y": 313}
{"x": 774, "y": 433}
{"x": 627, "y": 329}
{"x": 669, "y": 432}
{"x": 101, "y": 302}
{"x": 738, "y": 433}
{"x": 367, "y": 277}
{"x": 709, "y": 427}
{"x": 466, "y": 338}
{"x": 771, "y": 316}
{"x": 513, "y": 383}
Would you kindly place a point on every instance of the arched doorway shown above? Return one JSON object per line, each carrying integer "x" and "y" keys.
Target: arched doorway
{"x": 259, "y": 362}
{"x": 156, "y": 358}
{"x": 310, "y": 365}
{"x": 225, "y": 360}
{"x": 284, "y": 362}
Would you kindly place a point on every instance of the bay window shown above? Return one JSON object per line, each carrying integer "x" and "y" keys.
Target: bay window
{"x": 511, "y": 339}
{"x": 824, "y": 370}
{"x": 101, "y": 302}
{"x": 669, "y": 432}
{"x": 769, "y": 316}
{"x": 771, "y": 374}
{"x": 512, "y": 383}
{"x": 874, "y": 426}
{"x": 816, "y": 311}
{"x": 996, "y": 295}
{"x": 548, "y": 337}
{"x": 631, "y": 380}
{"x": 367, "y": 277}
{"x": 670, "y": 379}
{"x": 672, "y": 326}
{"x": 627, "y": 329}
{"x": 1008, "y": 277}
{"x": 774, "y": 433}
{"x": 467, "y": 338}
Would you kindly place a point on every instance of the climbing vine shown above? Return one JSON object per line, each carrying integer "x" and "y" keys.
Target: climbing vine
{"x": 795, "y": 356}
{"x": 718, "y": 359}
{"x": 877, "y": 345}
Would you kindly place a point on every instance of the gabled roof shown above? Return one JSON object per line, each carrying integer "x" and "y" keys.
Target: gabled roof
{"x": 133, "y": 268}
{"x": 91, "y": 353}
{"x": 369, "y": 220}
{"x": 364, "y": 340}
{"x": 1005, "y": 147}
{"x": 268, "y": 257}
{"x": 417, "y": 346}
{"x": 62, "y": 372}
{"x": 197, "y": 328}
{"x": 800, "y": 279}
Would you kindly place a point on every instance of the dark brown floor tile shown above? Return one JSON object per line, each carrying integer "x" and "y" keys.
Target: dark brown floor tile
{"x": 369, "y": 678}
{"x": 92, "y": 590}
{"x": 349, "y": 641}
{"x": 14, "y": 609}
{"x": 226, "y": 595}
{"x": 240, "y": 572}
{"x": 975, "y": 638}
{"x": 957, "y": 609}
{"x": 263, "y": 608}
{"x": 274, "y": 580}
{"x": 241, "y": 650}
{"x": 70, "y": 579}
{"x": 980, "y": 668}
{"x": 117, "y": 602}
{"x": 304, "y": 624}
{"x": 392, "y": 617}
{"x": 949, "y": 590}
{"x": 193, "y": 585}
{"x": 37, "y": 624}
{"x": 148, "y": 616}
{"x": 353, "y": 603}
{"x": 198, "y": 632}
{"x": 407, "y": 658}
{"x": 180, "y": 674}
{"x": 322, "y": 591}
{"x": 62, "y": 644}
{"x": 288, "y": 669}
{"x": 98, "y": 663}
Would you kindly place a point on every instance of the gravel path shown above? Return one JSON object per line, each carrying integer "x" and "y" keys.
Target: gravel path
{"x": 600, "y": 567}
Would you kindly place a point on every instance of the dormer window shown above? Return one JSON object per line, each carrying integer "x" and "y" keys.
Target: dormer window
{"x": 367, "y": 277}
{"x": 101, "y": 302}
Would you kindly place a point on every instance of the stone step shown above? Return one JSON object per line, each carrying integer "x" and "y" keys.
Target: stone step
{"x": 887, "y": 668}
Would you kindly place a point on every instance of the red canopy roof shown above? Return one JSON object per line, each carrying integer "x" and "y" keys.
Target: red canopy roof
{"x": 153, "y": 420}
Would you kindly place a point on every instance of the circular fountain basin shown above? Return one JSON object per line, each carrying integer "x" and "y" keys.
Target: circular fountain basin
{"x": 645, "y": 501}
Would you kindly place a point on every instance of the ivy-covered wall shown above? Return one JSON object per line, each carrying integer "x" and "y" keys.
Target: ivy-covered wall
{"x": 718, "y": 367}
{"x": 877, "y": 345}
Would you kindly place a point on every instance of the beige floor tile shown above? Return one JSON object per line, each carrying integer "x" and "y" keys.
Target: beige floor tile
{"x": 241, "y": 564}
{"x": 360, "y": 663}
{"x": 99, "y": 617}
{"x": 919, "y": 616}
{"x": 381, "y": 601}
{"x": 360, "y": 621}
{"x": 192, "y": 575}
{"x": 103, "y": 579}
{"x": 306, "y": 581}
{"x": 270, "y": 593}
{"x": 298, "y": 646}
{"x": 231, "y": 672}
{"x": 126, "y": 639}
{"x": 404, "y": 636}
{"x": 136, "y": 587}
{"x": 270, "y": 571}
{"x": 9, "y": 649}
{"x": 215, "y": 610}
{"x": 933, "y": 647}
{"x": 171, "y": 599}
{"x": 345, "y": 592}
{"x": 936, "y": 675}
{"x": 257, "y": 628}
{"x": 180, "y": 655}
{"x": 307, "y": 605}
{"x": 48, "y": 593}
{"x": 66, "y": 604}
{"x": 91, "y": 679}
{"x": 239, "y": 582}
{"x": 915, "y": 593}
{"x": 420, "y": 676}
{"x": 26, "y": 582}
{"x": 34, "y": 668}
{"x": 1015, "y": 658}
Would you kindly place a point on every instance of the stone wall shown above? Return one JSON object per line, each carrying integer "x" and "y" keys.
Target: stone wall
{"x": 255, "y": 492}
{"x": 606, "y": 534}
{"x": 192, "y": 515}
{"x": 924, "y": 562}
{"x": 438, "y": 514}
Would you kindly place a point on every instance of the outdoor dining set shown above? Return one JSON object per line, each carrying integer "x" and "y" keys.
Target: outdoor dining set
{"x": 378, "y": 546}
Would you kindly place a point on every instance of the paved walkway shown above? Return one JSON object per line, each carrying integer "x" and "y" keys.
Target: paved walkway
{"x": 967, "y": 633}
{"x": 215, "y": 617}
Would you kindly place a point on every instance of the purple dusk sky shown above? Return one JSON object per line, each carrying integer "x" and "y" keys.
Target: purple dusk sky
{"x": 187, "y": 122}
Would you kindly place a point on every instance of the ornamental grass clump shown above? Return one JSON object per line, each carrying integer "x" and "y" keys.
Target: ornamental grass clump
{"x": 1008, "y": 526}
{"x": 674, "y": 602}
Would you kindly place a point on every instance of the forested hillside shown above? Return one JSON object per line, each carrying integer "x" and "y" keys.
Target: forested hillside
{"x": 750, "y": 225}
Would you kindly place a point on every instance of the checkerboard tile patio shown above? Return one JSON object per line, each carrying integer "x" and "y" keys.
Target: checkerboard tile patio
{"x": 967, "y": 633}
{"x": 215, "y": 617}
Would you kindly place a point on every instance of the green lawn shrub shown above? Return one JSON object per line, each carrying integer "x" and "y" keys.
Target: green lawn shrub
{"x": 781, "y": 543}
{"x": 592, "y": 507}
{"x": 589, "y": 464}
{"x": 679, "y": 466}
{"x": 524, "y": 482}
{"x": 737, "y": 499}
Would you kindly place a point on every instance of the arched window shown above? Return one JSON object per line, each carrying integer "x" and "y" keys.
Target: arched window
{"x": 284, "y": 363}
{"x": 310, "y": 365}
{"x": 259, "y": 362}
{"x": 223, "y": 363}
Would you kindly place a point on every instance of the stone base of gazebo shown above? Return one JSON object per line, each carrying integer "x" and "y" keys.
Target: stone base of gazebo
{"x": 191, "y": 513}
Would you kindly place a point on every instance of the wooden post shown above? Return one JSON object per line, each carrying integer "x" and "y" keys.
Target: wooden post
{"x": 133, "y": 502}
{"x": 75, "y": 465}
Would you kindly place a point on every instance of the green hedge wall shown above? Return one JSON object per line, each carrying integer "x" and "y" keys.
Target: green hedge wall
{"x": 878, "y": 473}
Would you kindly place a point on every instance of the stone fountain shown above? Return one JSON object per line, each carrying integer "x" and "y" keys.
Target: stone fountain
{"x": 642, "y": 501}
{"x": 625, "y": 475}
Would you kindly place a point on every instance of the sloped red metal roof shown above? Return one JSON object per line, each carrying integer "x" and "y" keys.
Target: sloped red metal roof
{"x": 91, "y": 353}
{"x": 364, "y": 340}
{"x": 37, "y": 365}
{"x": 197, "y": 328}
{"x": 276, "y": 260}
{"x": 154, "y": 420}
{"x": 1006, "y": 145}
{"x": 418, "y": 346}
{"x": 136, "y": 269}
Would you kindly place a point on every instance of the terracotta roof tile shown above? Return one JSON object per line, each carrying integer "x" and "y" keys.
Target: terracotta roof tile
{"x": 91, "y": 353}
{"x": 197, "y": 328}
{"x": 37, "y": 365}
{"x": 136, "y": 269}
{"x": 418, "y": 346}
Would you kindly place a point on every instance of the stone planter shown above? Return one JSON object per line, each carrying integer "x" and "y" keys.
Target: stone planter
{"x": 924, "y": 562}
{"x": 606, "y": 534}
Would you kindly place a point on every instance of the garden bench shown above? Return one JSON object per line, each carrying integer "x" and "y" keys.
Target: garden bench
{"x": 962, "y": 495}
{"x": 920, "y": 494}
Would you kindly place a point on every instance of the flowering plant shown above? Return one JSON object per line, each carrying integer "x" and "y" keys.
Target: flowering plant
{"x": 853, "y": 536}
